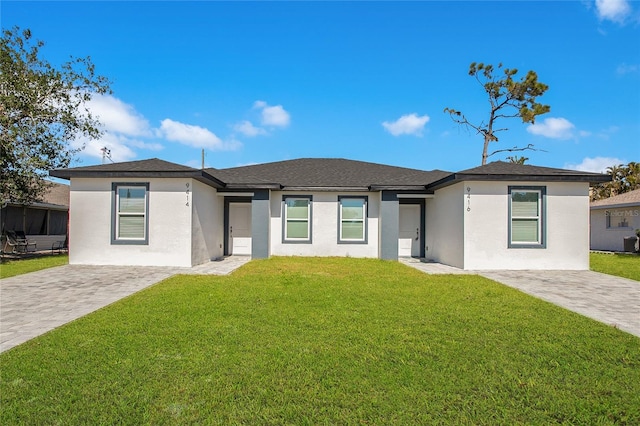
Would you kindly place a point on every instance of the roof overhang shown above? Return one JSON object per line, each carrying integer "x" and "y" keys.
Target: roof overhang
{"x": 48, "y": 206}
{"x": 616, "y": 206}
{"x": 413, "y": 188}
{"x": 251, "y": 186}
{"x": 199, "y": 175}
{"x": 465, "y": 177}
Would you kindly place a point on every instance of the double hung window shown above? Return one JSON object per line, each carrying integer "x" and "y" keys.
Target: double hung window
{"x": 352, "y": 219}
{"x": 130, "y": 221}
{"x": 526, "y": 221}
{"x": 297, "y": 219}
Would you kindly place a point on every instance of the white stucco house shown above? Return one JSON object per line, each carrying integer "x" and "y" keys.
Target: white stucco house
{"x": 497, "y": 216}
{"x": 614, "y": 219}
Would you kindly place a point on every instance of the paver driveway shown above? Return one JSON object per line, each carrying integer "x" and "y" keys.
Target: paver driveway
{"x": 34, "y": 303}
{"x": 606, "y": 298}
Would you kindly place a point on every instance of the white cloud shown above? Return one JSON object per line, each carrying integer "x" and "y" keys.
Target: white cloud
{"x": 188, "y": 134}
{"x": 116, "y": 144}
{"x": 275, "y": 116}
{"x": 409, "y": 124}
{"x": 613, "y": 10}
{"x": 248, "y": 129}
{"x": 555, "y": 128}
{"x": 627, "y": 69}
{"x": 596, "y": 164}
{"x": 151, "y": 146}
{"x": 117, "y": 116}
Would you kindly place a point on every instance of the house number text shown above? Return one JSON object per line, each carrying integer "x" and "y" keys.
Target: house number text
{"x": 187, "y": 192}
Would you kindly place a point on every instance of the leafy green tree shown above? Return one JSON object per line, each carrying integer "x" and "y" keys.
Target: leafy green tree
{"x": 624, "y": 178}
{"x": 42, "y": 108}
{"x": 507, "y": 98}
{"x": 517, "y": 160}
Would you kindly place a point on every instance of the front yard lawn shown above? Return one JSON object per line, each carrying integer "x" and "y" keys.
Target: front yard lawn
{"x": 622, "y": 265}
{"x": 11, "y": 268}
{"x": 325, "y": 341}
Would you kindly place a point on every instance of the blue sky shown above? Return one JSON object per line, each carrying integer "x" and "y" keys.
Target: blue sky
{"x": 269, "y": 81}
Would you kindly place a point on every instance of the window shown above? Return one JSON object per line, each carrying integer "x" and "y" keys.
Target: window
{"x": 617, "y": 218}
{"x": 297, "y": 219}
{"x": 352, "y": 220}
{"x": 130, "y": 221}
{"x": 526, "y": 227}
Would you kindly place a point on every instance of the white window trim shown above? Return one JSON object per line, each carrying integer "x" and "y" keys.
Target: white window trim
{"x": 285, "y": 219}
{"x": 621, "y": 218}
{"x": 342, "y": 240}
{"x": 116, "y": 214}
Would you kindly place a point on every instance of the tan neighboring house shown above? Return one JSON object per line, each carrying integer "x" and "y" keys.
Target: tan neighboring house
{"x": 44, "y": 222}
{"x": 614, "y": 219}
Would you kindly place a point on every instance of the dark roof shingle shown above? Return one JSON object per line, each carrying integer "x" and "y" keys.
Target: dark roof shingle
{"x": 326, "y": 172}
{"x": 143, "y": 168}
{"x": 501, "y": 170}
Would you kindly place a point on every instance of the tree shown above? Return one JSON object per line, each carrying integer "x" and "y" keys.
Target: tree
{"x": 517, "y": 160}
{"x": 623, "y": 179}
{"x": 507, "y": 99}
{"x": 42, "y": 109}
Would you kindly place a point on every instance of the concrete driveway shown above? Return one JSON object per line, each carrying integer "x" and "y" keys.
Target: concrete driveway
{"x": 34, "y": 303}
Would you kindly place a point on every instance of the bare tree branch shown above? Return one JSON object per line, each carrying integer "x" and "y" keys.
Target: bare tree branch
{"x": 529, "y": 147}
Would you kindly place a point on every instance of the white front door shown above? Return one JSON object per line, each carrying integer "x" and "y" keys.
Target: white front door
{"x": 409, "y": 235}
{"x": 240, "y": 228}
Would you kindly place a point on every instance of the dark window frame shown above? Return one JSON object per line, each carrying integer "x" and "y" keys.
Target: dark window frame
{"x": 542, "y": 217}
{"x": 115, "y": 214}
{"x": 365, "y": 219}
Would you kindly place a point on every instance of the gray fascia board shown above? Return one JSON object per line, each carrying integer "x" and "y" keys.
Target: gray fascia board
{"x": 615, "y": 206}
{"x": 198, "y": 175}
{"x": 327, "y": 188}
{"x": 413, "y": 188}
{"x": 460, "y": 177}
{"x": 250, "y": 186}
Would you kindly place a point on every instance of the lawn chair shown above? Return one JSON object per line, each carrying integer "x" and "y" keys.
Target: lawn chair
{"x": 12, "y": 241}
{"x": 22, "y": 239}
{"x": 60, "y": 246}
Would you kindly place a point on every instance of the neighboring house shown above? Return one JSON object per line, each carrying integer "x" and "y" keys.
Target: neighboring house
{"x": 614, "y": 219}
{"x": 497, "y": 216}
{"x": 43, "y": 222}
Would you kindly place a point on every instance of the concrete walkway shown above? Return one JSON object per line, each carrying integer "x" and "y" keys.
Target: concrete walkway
{"x": 606, "y": 298}
{"x": 34, "y": 303}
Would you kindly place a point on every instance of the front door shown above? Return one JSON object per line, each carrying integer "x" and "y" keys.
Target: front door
{"x": 409, "y": 235}
{"x": 240, "y": 228}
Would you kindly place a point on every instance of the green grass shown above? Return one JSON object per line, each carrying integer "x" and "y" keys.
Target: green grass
{"x": 622, "y": 265}
{"x": 11, "y": 268}
{"x": 325, "y": 341}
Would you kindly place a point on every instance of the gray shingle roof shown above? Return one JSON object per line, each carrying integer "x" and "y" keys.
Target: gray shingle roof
{"x": 627, "y": 199}
{"x": 326, "y": 172}
{"x": 501, "y": 170}
{"x": 57, "y": 194}
{"x": 140, "y": 166}
{"x": 508, "y": 168}
{"x": 143, "y": 168}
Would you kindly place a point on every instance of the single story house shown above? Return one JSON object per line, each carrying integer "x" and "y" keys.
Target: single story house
{"x": 44, "y": 222}
{"x": 614, "y": 219}
{"x": 496, "y": 216}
